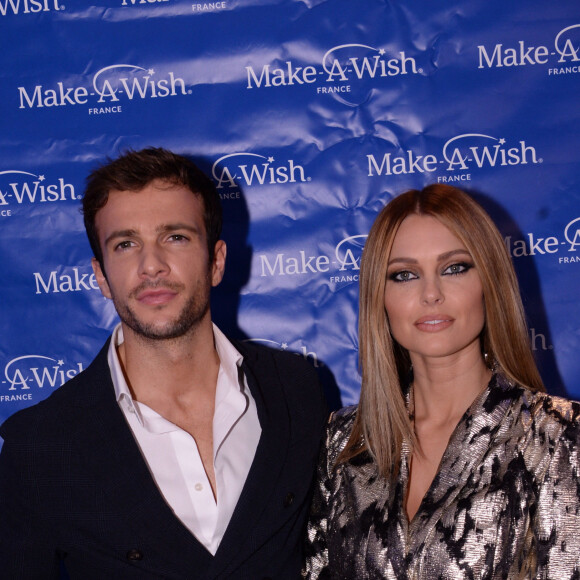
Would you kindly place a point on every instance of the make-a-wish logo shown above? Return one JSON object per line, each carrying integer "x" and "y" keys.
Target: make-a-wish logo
{"x": 534, "y": 245}
{"x": 248, "y": 169}
{"x": 109, "y": 85}
{"x": 460, "y": 153}
{"x": 65, "y": 280}
{"x": 17, "y": 7}
{"x": 343, "y": 264}
{"x": 564, "y": 54}
{"x": 36, "y": 371}
{"x": 20, "y": 187}
{"x": 340, "y": 64}
{"x": 302, "y": 350}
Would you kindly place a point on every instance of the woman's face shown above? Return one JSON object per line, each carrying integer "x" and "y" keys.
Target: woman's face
{"x": 433, "y": 294}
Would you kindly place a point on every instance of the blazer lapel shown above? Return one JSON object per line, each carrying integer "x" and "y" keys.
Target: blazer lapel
{"x": 481, "y": 425}
{"x": 262, "y": 480}
{"x": 106, "y": 443}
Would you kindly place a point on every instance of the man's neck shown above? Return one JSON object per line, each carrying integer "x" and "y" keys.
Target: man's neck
{"x": 177, "y": 379}
{"x": 170, "y": 368}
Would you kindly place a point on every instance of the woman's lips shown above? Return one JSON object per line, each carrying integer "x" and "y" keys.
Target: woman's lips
{"x": 434, "y": 323}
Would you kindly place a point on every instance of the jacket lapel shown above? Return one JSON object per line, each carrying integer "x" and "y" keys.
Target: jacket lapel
{"x": 119, "y": 470}
{"x": 243, "y": 531}
{"x": 481, "y": 427}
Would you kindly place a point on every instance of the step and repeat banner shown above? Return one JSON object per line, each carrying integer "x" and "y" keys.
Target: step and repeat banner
{"x": 310, "y": 115}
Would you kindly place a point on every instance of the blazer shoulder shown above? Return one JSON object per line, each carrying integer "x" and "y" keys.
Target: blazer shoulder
{"x": 553, "y": 416}
{"x": 340, "y": 425}
{"x": 54, "y": 413}
{"x": 343, "y": 417}
{"x": 289, "y": 374}
{"x": 260, "y": 358}
{"x": 338, "y": 432}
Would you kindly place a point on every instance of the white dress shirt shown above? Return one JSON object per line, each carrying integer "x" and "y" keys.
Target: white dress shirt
{"x": 172, "y": 455}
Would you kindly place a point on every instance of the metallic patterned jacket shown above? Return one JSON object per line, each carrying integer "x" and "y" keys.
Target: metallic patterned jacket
{"x": 505, "y": 502}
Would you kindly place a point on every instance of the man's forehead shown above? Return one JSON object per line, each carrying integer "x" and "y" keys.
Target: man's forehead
{"x": 157, "y": 191}
{"x": 160, "y": 185}
{"x": 155, "y": 205}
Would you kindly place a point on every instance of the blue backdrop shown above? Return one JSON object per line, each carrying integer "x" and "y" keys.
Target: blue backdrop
{"x": 309, "y": 115}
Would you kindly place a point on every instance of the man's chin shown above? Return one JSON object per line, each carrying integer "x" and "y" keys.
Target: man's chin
{"x": 171, "y": 333}
{"x": 158, "y": 327}
{"x": 161, "y": 331}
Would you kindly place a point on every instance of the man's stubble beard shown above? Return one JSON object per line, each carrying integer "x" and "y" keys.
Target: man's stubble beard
{"x": 193, "y": 312}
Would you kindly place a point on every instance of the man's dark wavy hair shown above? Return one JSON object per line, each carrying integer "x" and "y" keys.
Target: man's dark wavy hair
{"x": 135, "y": 170}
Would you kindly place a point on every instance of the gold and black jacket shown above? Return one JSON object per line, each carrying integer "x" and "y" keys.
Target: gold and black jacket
{"x": 505, "y": 502}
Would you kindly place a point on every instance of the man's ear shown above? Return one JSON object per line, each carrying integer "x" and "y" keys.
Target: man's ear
{"x": 218, "y": 266}
{"x": 101, "y": 278}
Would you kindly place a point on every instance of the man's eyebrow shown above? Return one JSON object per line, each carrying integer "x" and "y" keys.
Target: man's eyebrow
{"x": 120, "y": 234}
{"x": 440, "y": 257}
{"x": 177, "y": 226}
{"x": 163, "y": 228}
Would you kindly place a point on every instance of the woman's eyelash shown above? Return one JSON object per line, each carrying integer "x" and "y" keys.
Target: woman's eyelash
{"x": 458, "y": 268}
{"x": 402, "y": 276}
{"x": 452, "y": 270}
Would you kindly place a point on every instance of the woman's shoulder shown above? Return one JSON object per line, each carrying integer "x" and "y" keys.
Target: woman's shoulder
{"x": 343, "y": 415}
{"x": 339, "y": 429}
{"x": 342, "y": 421}
{"x": 544, "y": 414}
{"x": 553, "y": 412}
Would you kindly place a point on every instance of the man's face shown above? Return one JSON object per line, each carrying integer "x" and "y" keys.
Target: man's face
{"x": 156, "y": 259}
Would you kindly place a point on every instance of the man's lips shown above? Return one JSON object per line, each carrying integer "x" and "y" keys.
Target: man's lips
{"x": 155, "y": 296}
{"x": 434, "y": 323}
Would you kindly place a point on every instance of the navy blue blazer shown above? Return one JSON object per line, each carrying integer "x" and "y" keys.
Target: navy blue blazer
{"x": 76, "y": 491}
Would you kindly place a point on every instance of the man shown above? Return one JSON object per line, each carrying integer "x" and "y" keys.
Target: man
{"x": 176, "y": 454}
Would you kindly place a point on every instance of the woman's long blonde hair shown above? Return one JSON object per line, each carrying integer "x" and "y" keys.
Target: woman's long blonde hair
{"x": 382, "y": 421}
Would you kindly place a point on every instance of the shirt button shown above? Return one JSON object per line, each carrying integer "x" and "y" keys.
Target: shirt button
{"x": 289, "y": 499}
{"x": 134, "y": 555}
{"x": 198, "y": 487}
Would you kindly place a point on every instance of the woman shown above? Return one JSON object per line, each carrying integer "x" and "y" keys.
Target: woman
{"x": 455, "y": 464}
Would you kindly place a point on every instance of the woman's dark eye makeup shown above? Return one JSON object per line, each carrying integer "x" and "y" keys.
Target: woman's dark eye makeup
{"x": 457, "y": 268}
{"x": 402, "y": 276}
{"x": 454, "y": 269}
